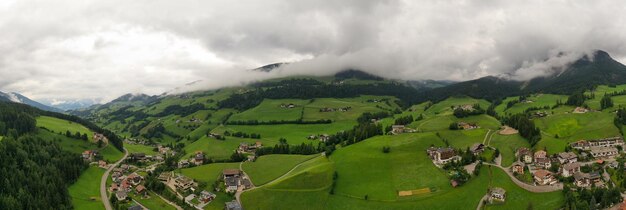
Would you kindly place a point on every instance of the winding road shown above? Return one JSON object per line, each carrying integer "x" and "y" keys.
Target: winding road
{"x": 103, "y": 182}
{"x": 528, "y": 187}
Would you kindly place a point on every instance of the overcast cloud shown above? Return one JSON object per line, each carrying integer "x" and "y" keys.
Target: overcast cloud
{"x": 67, "y": 50}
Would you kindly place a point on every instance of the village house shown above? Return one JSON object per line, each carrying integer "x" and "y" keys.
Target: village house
{"x": 587, "y": 179}
{"x": 163, "y": 150}
{"x": 125, "y": 186}
{"x": 100, "y": 137}
{"x": 231, "y": 184}
{"x": 231, "y": 173}
{"x": 198, "y": 159}
{"x": 214, "y": 135}
{"x": 543, "y": 162}
{"x": 441, "y": 156}
{"x": 540, "y": 154}
{"x": 125, "y": 167}
{"x": 233, "y": 205}
{"x": 324, "y": 137}
{"x": 601, "y": 152}
{"x": 121, "y": 195}
{"x": 140, "y": 189}
{"x": 138, "y": 156}
{"x": 543, "y": 177}
{"x": 606, "y": 142}
{"x": 206, "y": 196}
{"x": 184, "y": 183}
{"x": 397, "y": 129}
{"x": 249, "y": 148}
{"x": 567, "y": 157}
{"x": 466, "y": 107}
{"x": 518, "y": 167}
{"x": 134, "y": 178}
{"x": 89, "y": 155}
{"x": 166, "y": 176}
{"x": 497, "y": 194}
{"x": 569, "y": 169}
{"x": 113, "y": 187}
{"x": 102, "y": 164}
{"x": 183, "y": 164}
{"x": 477, "y": 148}
{"x": 467, "y": 126}
{"x": 580, "y": 110}
{"x": 524, "y": 154}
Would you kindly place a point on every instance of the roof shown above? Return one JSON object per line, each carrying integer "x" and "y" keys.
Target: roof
{"x": 233, "y": 205}
{"x": 230, "y": 181}
{"x": 567, "y": 155}
{"x": 476, "y": 146}
{"x": 121, "y": 193}
{"x": 603, "y": 149}
{"x": 518, "y": 163}
{"x": 230, "y": 172}
{"x": 497, "y": 190}
{"x": 140, "y": 188}
{"x": 580, "y": 175}
{"x": 135, "y": 208}
{"x": 541, "y": 173}
{"x": 571, "y": 166}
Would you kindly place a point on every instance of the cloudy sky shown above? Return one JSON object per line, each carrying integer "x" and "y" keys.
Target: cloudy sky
{"x": 66, "y": 50}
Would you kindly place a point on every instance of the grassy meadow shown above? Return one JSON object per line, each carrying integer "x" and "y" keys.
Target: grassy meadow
{"x": 85, "y": 192}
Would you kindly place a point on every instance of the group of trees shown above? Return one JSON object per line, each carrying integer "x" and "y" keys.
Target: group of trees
{"x": 576, "y": 99}
{"x": 606, "y": 102}
{"x": 461, "y": 113}
{"x": 525, "y": 126}
{"x": 278, "y": 122}
{"x": 35, "y": 173}
{"x": 242, "y": 135}
{"x": 16, "y": 119}
{"x": 596, "y": 198}
{"x": 77, "y": 135}
{"x": 368, "y": 116}
{"x": 181, "y": 110}
{"x": 157, "y": 131}
{"x": 294, "y": 89}
{"x": 284, "y": 148}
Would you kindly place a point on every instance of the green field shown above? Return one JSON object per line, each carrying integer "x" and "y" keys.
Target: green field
{"x": 538, "y": 100}
{"x": 219, "y": 149}
{"x": 358, "y": 105}
{"x": 153, "y": 202}
{"x": 573, "y": 127}
{"x": 438, "y": 123}
{"x": 445, "y": 107}
{"x": 508, "y": 144}
{"x": 270, "y": 110}
{"x": 108, "y": 152}
{"x": 295, "y": 134}
{"x": 85, "y": 192}
{"x": 208, "y": 173}
{"x": 58, "y": 125}
{"x": 294, "y": 193}
{"x": 132, "y": 148}
{"x": 269, "y": 167}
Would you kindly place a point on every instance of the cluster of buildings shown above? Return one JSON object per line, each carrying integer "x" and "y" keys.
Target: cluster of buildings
{"x": 100, "y": 137}
{"x": 124, "y": 184}
{"x": 321, "y": 137}
{"x": 200, "y": 200}
{"x": 89, "y": 155}
{"x": 342, "y": 109}
{"x": 442, "y": 155}
{"x": 197, "y": 159}
{"x": 288, "y": 106}
{"x": 235, "y": 179}
{"x": 398, "y": 129}
{"x": 467, "y": 126}
{"x": 538, "y": 162}
{"x": 178, "y": 182}
{"x": 580, "y": 110}
{"x": 466, "y": 107}
{"x": 249, "y": 148}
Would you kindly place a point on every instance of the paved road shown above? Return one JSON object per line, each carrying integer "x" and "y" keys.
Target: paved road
{"x": 531, "y": 188}
{"x": 103, "y": 182}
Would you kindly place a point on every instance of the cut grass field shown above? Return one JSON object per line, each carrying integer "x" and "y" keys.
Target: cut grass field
{"x": 573, "y": 127}
{"x": 58, "y": 125}
{"x": 269, "y": 167}
{"x": 445, "y": 107}
{"x": 85, "y": 192}
{"x": 538, "y": 100}
{"x": 210, "y": 173}
{"x": 270, "y": 110}
{"x": 508, "y": 144}
{"x": 219, "y": 149}
{"x": 438, "y": 123}
{"x": 153, "y": 202}
{"x": 109, "y": 153}
{"x": 295, "y": 134}
{"x": 358, "y": 105}
{"x": 133, "y": 148}
{"x": 306, "y": 195}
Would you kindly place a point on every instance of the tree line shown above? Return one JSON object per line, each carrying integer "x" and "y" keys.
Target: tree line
{"x": 525, "y": 126}
{"x": 278, "y": 122}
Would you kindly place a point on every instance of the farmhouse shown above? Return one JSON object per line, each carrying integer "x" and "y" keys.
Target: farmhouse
{"x": 543, "y": 162}
{"x": 324, "y": 137}
{"x": 580, "y": 110}
{"x": 567, "y": 157}
{"x": 183, "y": 163}
{"x": 540, "y": 154}
{"x": 497, "y": 194}
{"x": 466, "y": 107}
{"x": 543, "y": 177}
{"x": 397, "y": 129}
{"x": 231, "y": 183}
{"x": 518, "y": 167}
{"x": 607, "y": 142}
{"x": 477, "y": 148}
{"x": 89, "y": 155}
{"x": 121, "y": 195}
{"x": 198, "y": 159}
{"x": 570, "y": 169}
{"x": 206, "y": 196}
{"x": 166, "y": 176}
{"x": 184, "y": 183}
{"x": 99, "y": 137}
{"x": 140, "y": 189}
{"x": 231, "y": 173}
{"x": 587, "y": 179}
{"x": 233, "y": 205}
{"x": 523, "y": 154}
{"x": 467, "y": 126}
{"x": 138, "y": 156}
{"x": 599, "y": 152}
{"x": 134, "y": 178}
{"x": 441, "y": 156}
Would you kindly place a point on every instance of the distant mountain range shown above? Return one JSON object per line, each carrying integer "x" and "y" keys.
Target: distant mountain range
{"x": 18, "y": 98}
{"x": 583, "y": 74}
